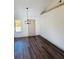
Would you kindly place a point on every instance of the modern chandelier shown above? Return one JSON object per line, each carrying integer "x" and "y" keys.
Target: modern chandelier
{"x": 28, "y": 21}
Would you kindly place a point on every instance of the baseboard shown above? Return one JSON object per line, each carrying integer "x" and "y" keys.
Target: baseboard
{"x": 26, "y": 36}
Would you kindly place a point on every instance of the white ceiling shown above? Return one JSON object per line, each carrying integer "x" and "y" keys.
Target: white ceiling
{"x": 35, "y": 7}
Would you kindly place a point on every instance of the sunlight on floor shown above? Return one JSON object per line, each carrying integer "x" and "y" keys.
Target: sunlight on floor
{"x": 19, "y": 46}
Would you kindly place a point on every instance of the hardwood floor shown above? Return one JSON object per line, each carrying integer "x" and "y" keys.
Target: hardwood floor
{"x": 36, "y": 47}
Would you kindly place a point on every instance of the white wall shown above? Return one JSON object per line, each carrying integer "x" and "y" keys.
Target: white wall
{"x": 24, "y": 26}
{"x": 35, "y": 8}
{"x": 21, "y": 14}
{"x": 52, "y": 26}
{"x": 37, "y": 25}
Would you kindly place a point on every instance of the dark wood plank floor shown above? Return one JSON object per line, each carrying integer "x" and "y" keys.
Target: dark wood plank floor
{"x": 36, "y": 48}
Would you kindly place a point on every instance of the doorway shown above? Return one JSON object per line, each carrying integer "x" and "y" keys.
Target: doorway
{"x": 31, "y": 28}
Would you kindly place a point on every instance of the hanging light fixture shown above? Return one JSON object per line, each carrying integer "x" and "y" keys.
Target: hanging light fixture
{"x": 28, "y": 21}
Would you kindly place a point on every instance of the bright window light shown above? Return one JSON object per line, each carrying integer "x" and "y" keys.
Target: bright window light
{"x": 18, "y": 25}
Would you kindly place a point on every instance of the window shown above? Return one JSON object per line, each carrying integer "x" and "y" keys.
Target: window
{"x": 18, "y": 25}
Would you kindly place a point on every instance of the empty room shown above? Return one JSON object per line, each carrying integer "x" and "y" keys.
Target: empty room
{"x": 38, "y": 29}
